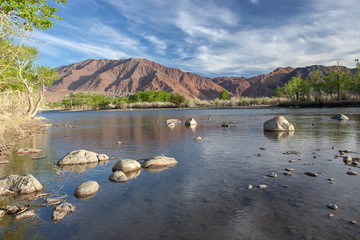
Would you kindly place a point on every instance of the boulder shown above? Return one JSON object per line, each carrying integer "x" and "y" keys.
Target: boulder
{"x": 24, "y": 151}
{"x": 174, "y": 121}
{"x": 60, "y": 211}
{"x": 102, "y": 157}
{"x": 170, "y": 125}
{"x": 118, "y": 176}
{"x": 126, "y": 165}
{"x": 78, "y": 157}
{"x": 19, "y": 184}
{"x": 190, "y": 122}
{"x": 2, "y": 214}
{"x": 159, "y": 161}
{"x": 278, "y": 124}
{"x": 340, "y": 117}
{"x": 86, "y": 189}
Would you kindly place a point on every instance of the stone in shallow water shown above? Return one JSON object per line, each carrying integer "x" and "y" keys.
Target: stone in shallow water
{"x": 60, "y": 211}
{"x": 262, "y": 186}
{"x": 340, "y": 117}
{"x": 332, "y": 206}
{"x": 312, "y": 174}
{"x": 19, "y": 184}
{"x": 126, "y": 165}
{"x": 78, "y": 157}
{"x": 87, "y": 189}
{"x": 118, "y": 176}
{"x": 190, "y": 122}
{"x": 27, "y": 214}
{"x": 352, "y": 173}
{"x": 159, "y": 161}
{"x": 28, "y": 151}
{"x": 272, "y": 175}
{"x": 278, "y": 124}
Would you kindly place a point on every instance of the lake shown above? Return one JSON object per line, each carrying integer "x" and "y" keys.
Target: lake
{"x": 206, "y": 195}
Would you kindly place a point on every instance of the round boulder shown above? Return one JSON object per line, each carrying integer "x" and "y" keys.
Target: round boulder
{"x": 278, "y": 124}
{"x": 159, "y": 161}
{"x": 86, "y": 189}
{"x": 340, "y": 117}
{"x": 126, "y": 165}
{"x": 190, "y": 122}
{"x": 19, "y": 184}
{"x": 118, "y": 176}
{"x": 78, "y": 157}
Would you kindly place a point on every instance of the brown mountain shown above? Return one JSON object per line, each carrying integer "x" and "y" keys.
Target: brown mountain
{"x": 127, "y": 76}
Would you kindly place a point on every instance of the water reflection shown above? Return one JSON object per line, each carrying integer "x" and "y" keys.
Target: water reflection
{"x": 278, "y": 136}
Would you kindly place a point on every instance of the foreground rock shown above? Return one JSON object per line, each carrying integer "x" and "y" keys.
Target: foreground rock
{"x": 19, "y": 184}
{"x": 159, "y": 162}
{"x": 24, "y": 151}
{"x": 118, "y": 176}
{"x": 81, "y": 157}
{"x": 87, "y": 189}
{"x": 278, "y": 124}
{"x": 190, "y": 122}
{"x": 340, "y": 117}
{"x": 61, "y": 210}
{"x": 126, "y": 165}
{"x": 24, "y": 215}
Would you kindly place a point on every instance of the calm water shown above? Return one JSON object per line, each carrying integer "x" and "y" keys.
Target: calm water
{"x": 205, "y": 196}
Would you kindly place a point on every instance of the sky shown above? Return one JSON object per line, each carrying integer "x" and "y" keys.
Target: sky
{"x": 208, "y": 37}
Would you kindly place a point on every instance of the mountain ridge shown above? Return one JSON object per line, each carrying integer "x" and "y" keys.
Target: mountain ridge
{"x": 124, "y": 77}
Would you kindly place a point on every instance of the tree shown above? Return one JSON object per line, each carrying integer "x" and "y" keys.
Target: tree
{"x": 224, "y": 95}
{"x": 317, "y": 84}
{"x": 295, "y": 87}
{"x": 337, "y": 81}
{"x": 18, "y": 73}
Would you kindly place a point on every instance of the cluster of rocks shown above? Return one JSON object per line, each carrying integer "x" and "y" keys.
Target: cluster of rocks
{"x": 191, "y": 122}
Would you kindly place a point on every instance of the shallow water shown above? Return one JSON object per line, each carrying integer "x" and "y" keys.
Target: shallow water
{"x": 206, "y": 195}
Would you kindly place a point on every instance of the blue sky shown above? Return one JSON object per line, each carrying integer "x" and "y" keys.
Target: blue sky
{"x": 207, "y": 37}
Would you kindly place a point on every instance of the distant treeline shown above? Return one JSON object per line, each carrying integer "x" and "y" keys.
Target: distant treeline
{"x": 96, "y": 101}
{"x": 335, "y": 85}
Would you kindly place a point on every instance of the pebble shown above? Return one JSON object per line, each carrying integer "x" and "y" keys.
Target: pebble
{"x": 263, "y": 148}
{"x": 272, "y": 175}
{"x": 250, "y": 187}
{"x": 262, "y": 186}
{"x": 311, "y": 174}
{"x": 333, "y": 147}
{"x": 288, "y": 173}
{"x": 347, "y": 159}
{"x": 352, "y": 173}
{"x": 289, "y": 169}
{"x": 198, "y": 138}
{"x": 292, "y": 161}
{"x": 119, "y": 142}
{"x": 331, "y": 179}
{"x": 331, "y": 215}
{"x": 354, "y": 222}
{"x": 332, "y": 206}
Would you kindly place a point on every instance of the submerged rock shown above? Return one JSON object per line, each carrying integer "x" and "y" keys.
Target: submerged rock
{"x": 340, "y": 117}
{"x": 159, "y": 162}
{"x": 19, "y": 184}
{"x": 332, "y": 206}
{"x": 87, "y": 189}
{"x": 272, "y": 175}
{"x": 170, "y": 125}
{"x": 118, "y": 176}
{"x": 312, "y": 174}
{"x": 126, "y": 165}
{"x": 174, "y": 121}
{"x": 24, "y": 215}
{"x": 352, "y": 173}
{"x": 278, "y": 124}
{"x": 190, "y": 122}
{"x": 28, "y": 151}
{"x": 60, "y": 211}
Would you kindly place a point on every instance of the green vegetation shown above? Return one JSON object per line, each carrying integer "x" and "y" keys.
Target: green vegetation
{"x": 335, "y": 85}
{"x": 138, "y": 100}
{"x": 21, "y": 80}
{"x": 224, "y": 95}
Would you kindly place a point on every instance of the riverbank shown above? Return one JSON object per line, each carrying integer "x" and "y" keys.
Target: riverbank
{"x": 14, "y": 130}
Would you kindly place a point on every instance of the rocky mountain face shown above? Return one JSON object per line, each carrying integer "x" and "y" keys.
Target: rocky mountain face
{"x": 127, "y": 76}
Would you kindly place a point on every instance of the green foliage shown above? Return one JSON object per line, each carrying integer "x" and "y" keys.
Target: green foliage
{"x": 224, "y": 95}
{"x": 177, "y": 99}
{"x": 337, "y": 81}
{"x": 295, "y": 87}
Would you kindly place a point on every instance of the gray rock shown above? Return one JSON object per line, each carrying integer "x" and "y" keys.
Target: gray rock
{"x": 288, "y": 173}
{"x": 24, "y": 215}
{"x": 352, "y": 173}
{"x": 170, "y": 125}
{"x": 347, "y": 159}
{"x": 159, "y": 161}
{"x": 340, "y": 117}
{"x": 19, "y": 184}
{"x": 312, "y": 174}
{"x": 332, "y": 206}
{"x": 190, "y": 122}
{"x": 11, "y": 209}
{"x": 24, "y": 151}
{"x": 262, "y": 186}
{"x": 126, "y": 165}
{"x": 78, "y": 157}
{"x": 289, "y": 169}
{"x": 60, "y": 211}
{"x": 118, "y": 176}
{"x": 278, "y": 124}
{"x": 87, "y": 189}
{"x": 272, "y": 175}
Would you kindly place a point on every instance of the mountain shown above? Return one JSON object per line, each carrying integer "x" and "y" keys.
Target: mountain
{"x": 125, "y": 77}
